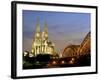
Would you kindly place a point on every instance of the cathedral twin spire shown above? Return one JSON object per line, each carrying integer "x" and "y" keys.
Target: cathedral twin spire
{"x": 41, "y": 44}
{"x": 38, "y": 27}
{"x": 38, "y": 31}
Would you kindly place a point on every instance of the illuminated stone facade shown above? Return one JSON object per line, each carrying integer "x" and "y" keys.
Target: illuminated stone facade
{"x": 41, "y": 43}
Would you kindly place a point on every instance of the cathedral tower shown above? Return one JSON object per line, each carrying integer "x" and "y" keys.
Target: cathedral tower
{"x": 36, "y": 45}
{"x": 37, "y": 32}
{"x": 41, "y": 44}
{"x": 45, "y": 32}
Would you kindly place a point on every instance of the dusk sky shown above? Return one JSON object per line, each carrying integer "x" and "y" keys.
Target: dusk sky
{"x": 65, "y": 28}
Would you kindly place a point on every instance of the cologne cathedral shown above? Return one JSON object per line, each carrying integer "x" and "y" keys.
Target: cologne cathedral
{"x": 41, "y": 43}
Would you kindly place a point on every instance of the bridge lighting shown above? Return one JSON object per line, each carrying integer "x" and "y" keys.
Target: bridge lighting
{"x": 72, "y": 61}
{"x": 62, "y": 62}
{"x": 54, "y": 62}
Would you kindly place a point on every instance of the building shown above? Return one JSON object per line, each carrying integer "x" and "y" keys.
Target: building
{"x": 41, "y": 43}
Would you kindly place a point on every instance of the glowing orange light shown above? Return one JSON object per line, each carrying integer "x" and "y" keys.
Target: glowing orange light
{"x": 62, "y": 62}
{"x": 54, "y": 62}
{"x": 72, "y": 61}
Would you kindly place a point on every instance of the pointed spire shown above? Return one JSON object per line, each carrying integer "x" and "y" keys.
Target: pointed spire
{"x": 37, "y": 32}
{"x": 38, "y": 26}
{"x": 45, "y": 32}
{"x": 46, "y": 28}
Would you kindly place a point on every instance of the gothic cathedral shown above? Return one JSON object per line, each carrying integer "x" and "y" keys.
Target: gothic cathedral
{"x": 41, "y": 43}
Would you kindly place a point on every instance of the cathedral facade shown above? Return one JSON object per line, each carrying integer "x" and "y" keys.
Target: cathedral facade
{"x": 41, "y": 43}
